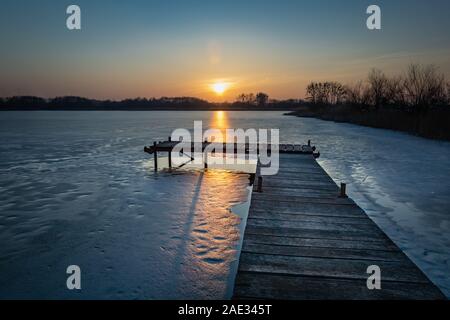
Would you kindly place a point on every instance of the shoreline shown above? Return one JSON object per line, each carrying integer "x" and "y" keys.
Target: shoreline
{"x": 281, "y": 109}
{"x": 432, "y": 125}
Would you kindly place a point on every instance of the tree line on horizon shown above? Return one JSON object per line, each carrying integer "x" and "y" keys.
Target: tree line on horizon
{"x": 243, "y": 100}
{"x": 67, "y": 102}
{"x": 81, "y": 102}
{"x": 418, "y": 89}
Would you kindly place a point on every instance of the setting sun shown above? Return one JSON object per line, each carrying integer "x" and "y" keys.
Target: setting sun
{"x": 220, "y": 87}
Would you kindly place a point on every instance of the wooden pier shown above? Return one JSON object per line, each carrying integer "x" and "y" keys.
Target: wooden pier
{"x": 169, "y": 145}
{"x": 305, "y": 240}
{"x": 235, "y": 148}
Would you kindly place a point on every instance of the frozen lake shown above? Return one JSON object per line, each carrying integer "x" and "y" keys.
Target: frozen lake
{"x": 77, "y": 188}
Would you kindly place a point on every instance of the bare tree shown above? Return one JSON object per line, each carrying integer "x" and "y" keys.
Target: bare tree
{"x": 395, "y": 95}
{"x": 325, "y": 92}
{"x": 246, "y": 98}
{"x": 378, "y": 86}
{"x": 241, "y": 98}
{"x": 337, "y": 93}
{"x": 357, "y": 94}
{"x": 321, "y": 93}
{"x": 251, "y": 99}
{"x": 424, "y": 86}
{"x": 448, "y": 93}
{"x": 312, "y": 92}
{"x": 262, "y": 99}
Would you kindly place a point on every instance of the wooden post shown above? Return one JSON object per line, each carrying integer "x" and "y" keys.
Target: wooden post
{"x": 170, "y": 155}
{"x": 260, "y": 182}
{"x": 205, "y": 155}
{"x": 155, "y": 154}
{"x": 258, "y": 178}
{"x": 252, "y": 177}
{"x": 343, "y": 191}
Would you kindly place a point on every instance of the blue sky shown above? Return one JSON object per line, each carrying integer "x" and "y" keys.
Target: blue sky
{"x": 155, "y": 48}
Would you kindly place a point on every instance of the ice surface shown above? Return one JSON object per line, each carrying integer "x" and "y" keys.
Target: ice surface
{"x": 77, "y": 188}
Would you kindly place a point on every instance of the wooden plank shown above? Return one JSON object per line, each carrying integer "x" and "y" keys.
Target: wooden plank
{"x": 309, "y": 218}
{"x": 304, "y": 192}
{"x": 288, "y": 181}
{"x": 380, "y": 244}
{"x": 318, "y": 252}
{"x": 304, "y": 177}
{"x": 270, "y": 183}
{"x": 314, "y": 233}
{"x": 313, "y": 171}
{"x": 307, "y": 208}
{"x": 277, "y": 287}
{"x": 325, "y": 267}
{"x": 286, "y": 184}
{"x": 300, "y": 199}
{"x": 369, "y": 229}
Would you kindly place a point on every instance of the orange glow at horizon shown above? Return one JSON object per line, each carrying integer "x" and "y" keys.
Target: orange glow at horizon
{"x": 220, "y": 88}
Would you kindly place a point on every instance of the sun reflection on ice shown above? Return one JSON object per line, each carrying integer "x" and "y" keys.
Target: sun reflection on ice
{"x": 220, "y": 122}
{"x": 210, "y": 231}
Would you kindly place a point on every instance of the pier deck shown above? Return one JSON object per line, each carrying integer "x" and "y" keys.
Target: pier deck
{"x": 302, "y": 241}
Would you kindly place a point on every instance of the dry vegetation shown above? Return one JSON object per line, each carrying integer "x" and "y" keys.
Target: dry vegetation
{"x": 416, "y": 101}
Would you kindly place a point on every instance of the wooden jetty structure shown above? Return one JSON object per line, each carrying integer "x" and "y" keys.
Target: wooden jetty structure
{"x": 306, "y": 240}
{"x": 236, "y": 148}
